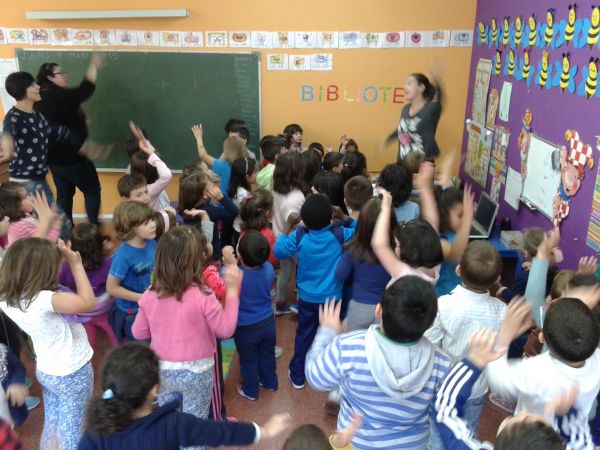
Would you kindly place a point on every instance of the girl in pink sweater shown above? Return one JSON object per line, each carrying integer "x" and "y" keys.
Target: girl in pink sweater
{"x": 19, "y": 206}
{"x": 183, "y": 319}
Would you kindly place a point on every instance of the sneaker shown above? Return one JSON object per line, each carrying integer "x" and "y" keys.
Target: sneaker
{"x": 278, "y": 351}
{"x": 285, "y": 309}
{"x": 504, "y": 405}
{"x": 294, "y": 308}
{"x": 243, "y": 394}
{"x": 32, "y": 402}
{"x": 264, "y": 387}
{"x": 295, "y": 386}
{"x": 28, "y": 382}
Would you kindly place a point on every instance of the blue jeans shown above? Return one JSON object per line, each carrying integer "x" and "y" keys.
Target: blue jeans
{"x": 255, "y": 345}
{"x": 80, "y": 175}
{"x": 308, "y": 323}
{"x": 121, "y": 323}
{"x": 65, "y": 400}
{"x": 193, "y": 389}
{"x": 33, "y": 186}
{"x": 471, "y": 414}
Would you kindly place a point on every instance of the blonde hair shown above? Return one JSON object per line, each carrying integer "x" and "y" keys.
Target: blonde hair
{"x": 30, "y": 265}
{"x": 128, "y": 216}
{"x": 561, "y": 283}
{"x": 234, "y": 148}
{"x": 180, "y": 254}
{"x": 532, "y": 238}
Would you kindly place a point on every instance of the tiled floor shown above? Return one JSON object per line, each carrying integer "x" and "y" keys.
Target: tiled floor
{"x": 305, "y": 406}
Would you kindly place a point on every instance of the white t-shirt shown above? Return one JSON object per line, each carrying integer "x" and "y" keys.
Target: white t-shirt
{"x": 240, "y": 196}
{"x": 283, "y": 206}
{"x": 61, "y": 348}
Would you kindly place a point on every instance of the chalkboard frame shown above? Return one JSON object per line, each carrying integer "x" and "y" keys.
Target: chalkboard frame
{"x": 255, "y": 134}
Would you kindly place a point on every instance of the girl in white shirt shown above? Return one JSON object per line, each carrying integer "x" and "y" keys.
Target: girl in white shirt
{"x": 29, "y": 295}
{"x": 288, "y": 198}
{"x": 243, "y": 175}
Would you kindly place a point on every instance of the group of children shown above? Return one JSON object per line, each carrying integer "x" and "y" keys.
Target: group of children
{"x": 398, "y": 314}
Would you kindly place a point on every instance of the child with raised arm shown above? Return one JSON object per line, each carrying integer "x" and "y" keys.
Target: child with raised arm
{"x": 28, "y": 289}
{"x": 182, "y": 319}
{"x": 452, "y": 217}
{"x": 526, "y": 431}
{"x": 420, "y": 248}
{"x": 571, "y": 332}
{"x": 126, "y": 415}
{"x": 233, "y": 148}
{"x": 19, "y": 207}
{"x": 389, "y": 372}
{"x": 148, "y": 164}
{"x": 132, "y": 264}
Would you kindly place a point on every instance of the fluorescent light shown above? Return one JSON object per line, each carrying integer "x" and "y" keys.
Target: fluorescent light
{"x": 105, "y": 14}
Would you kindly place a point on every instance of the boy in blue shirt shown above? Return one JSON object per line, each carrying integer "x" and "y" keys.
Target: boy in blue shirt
{"x": 319, "y": 247}
{"x": 255, "y": 333}
{"x": 132, "y": 264}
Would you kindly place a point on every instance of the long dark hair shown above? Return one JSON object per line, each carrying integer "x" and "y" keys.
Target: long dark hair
{"x": 241, "y": 169}
{"x": 355, "y": 163}
{"x": 433, "y": 90}
{"x": 191, "y": 191}
{"x": 446, "y": 200}
{"x": 360, "y": 245}
{"x": 141, "y": 166}
{"x": 86, "y": 239}
{"x": 289, "y": 173}
{"x": 332, "y": 185}
{"x": 46, "y": 70}
{"x": 312, "y": 166}
{"x": 128, "y": 375}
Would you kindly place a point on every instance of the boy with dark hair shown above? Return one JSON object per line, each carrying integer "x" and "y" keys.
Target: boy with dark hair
{"x": 318, "y": 246}
{"x": 357, "y": 191}
{"x": 25, "y": 138}
{"x": 396, "y": 179}
{"x": 572, "y": 334}
{"x": 271, "y": 147}
{"x": 389, "y": 372}
{"x": 467, "y": 309}
{"x": 133, "y": 187}
{"x": 525, "y": 431}
{"x": 255, "y": 334}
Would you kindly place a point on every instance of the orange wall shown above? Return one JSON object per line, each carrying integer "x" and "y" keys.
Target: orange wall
{"x": 281, "y": 91}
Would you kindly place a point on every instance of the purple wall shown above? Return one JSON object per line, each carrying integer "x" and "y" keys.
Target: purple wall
{"x": 553, "y": 111}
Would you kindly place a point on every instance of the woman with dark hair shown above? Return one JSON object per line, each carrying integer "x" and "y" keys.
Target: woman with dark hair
{"x": 419, "y": 119}
{"x": 62, "y": 105}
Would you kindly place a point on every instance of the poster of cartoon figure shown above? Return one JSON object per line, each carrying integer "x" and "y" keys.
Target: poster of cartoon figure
{"x": 573, "y": 162}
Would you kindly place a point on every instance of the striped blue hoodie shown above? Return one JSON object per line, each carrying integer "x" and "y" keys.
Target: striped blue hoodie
{"x": 392, "y": 385}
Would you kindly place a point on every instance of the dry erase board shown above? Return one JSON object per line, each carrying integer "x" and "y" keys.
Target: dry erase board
{"x": 543, "y": 175}
{"x": 165, "y": 93}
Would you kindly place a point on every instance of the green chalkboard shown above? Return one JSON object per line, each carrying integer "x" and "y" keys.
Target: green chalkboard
{"x": 164, "y": 93}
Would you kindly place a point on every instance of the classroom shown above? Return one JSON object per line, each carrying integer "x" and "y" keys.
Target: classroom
{"x": 330, "y": 225}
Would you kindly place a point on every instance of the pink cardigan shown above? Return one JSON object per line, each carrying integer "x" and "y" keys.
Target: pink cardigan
{"x": 27, "y": 227}
{"x": 164, "y": 178}
{"x": 185, "y": 330}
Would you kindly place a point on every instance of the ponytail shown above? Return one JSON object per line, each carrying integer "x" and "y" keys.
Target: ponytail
{"x": 128, "y": 375}
{"x": 433, "y": 90}
{"x": 255, "y": 208}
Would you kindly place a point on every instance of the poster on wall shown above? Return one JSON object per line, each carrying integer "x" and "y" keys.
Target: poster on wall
{"x": 505, "y": 101}
{"x": 514, "y": 186}
{"x": 480, "y": 90}
{"x": 492, "y": 109}
{"x": 479, "y": 146}
{"x": 7, "y": 66}
{"x": 498, "y": 163}
{"x": 593, "y": 234}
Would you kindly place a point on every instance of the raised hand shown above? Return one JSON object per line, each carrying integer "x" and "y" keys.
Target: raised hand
{"x": 386, "y": 197}
{"x": 329, "y": 315}
{"x": 143, "y": 143}
{"x": 72, "y": 257}
{"x": 424, "y": 178}
{"x": 482, "y": 348}
{"x": 549, "y": 242}
{"x": 468, "y": 203}
{"x": 197, "y": 131}
{"x": 588, "y": 265}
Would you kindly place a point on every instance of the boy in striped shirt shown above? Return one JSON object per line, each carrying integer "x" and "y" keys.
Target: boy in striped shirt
{"x": 389, "y": 373}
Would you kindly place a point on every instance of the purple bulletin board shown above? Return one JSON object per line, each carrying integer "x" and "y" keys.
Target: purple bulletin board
{"x": 563, "y": 104}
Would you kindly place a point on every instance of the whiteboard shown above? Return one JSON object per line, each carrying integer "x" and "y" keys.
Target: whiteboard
{"x": 542, "y": 181}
